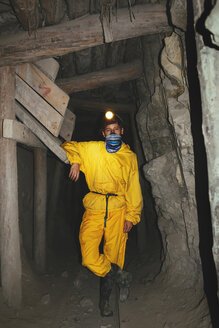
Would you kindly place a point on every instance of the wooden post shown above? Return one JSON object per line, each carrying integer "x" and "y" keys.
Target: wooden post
{"x": 10, "y": 237}
{"x": 54, "y": 193}
{"x": 40, "y": 200}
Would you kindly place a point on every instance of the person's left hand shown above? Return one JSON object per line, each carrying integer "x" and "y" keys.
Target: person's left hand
{"x": 127, "y": 226}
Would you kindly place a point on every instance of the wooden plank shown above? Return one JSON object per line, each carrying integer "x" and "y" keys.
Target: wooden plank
{"x": 1, "y": 128}
{"x": 53, "y": 194}
{"x": 53, "y": 11}
{"x": 10, "y": 236}
{"x": 117, "y": 74}
{"x": 47, "y": 138}
{"x": 91, "y": 105}
{"x": 107, "y": 29}
{"x": 18, "y": 132}
{"x": 39, "y": 82}
{"x": 38, "y": 107}
{"x": 81, "y": 33}
{"x": 49, "y": 67}
{"x": 68, "y": 125}
{"x": 40, "y": 201}
{"x": 27, "y": 13}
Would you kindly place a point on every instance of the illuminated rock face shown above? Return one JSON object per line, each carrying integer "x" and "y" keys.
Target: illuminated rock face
{"x": 164, "y": 126}
{"x": 208, "y": 69}
{"x": 165, "y": 130}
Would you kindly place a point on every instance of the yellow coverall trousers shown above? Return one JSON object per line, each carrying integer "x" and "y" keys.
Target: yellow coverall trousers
{"x": 91, "y": 232}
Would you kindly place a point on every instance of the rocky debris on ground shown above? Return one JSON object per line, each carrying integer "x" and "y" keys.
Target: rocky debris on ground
{"x": 65, "y": 274}
{"x": 77, "y": 283}
{"x": 86, "y": 302}
{"x": 45, "y": 300}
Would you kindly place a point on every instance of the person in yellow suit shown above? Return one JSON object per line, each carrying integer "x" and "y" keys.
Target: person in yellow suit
{"x": 112, "y": 206}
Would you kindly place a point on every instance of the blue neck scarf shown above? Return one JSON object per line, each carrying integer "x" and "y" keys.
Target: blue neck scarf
{"x": 113, "y": 142}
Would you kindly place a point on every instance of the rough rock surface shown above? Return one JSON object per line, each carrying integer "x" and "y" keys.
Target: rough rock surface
{"x": 212, "y": 23}
{"x": 164, "y": 126}
{"x": 178, "y": 11}
{"x": 208, "y": 64}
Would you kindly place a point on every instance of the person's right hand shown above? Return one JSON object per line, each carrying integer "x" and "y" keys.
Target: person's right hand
{"x": 74, "y": 172}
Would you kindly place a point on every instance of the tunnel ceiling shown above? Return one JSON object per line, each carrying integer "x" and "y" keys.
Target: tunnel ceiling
{"x": 19, "y": 15}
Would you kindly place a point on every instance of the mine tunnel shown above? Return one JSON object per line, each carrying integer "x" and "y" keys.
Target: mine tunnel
{"x": 63, "y": 65}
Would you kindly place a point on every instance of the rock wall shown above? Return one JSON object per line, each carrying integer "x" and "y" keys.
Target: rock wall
{"x": 208, "y": 64}
{"x": 165, "y": 130}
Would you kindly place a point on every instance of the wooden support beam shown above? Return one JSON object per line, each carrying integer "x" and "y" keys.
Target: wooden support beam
{"x": 53, "y": 195}
{"x": 83, "y": 32}
{"x": 1, "y": 128}
{"x": 43, "y": 134}
{"x": 38, "y": 107}
{"x": 47, "y": 89}
{"x": 18, "y": 132}
{"x": 40, "y": 200}
{"x": 9, "y": 227}
{"x": 49, "y": 67}
{"x": 68, "y": 125}
{"x": 91, "y": 105}
{"x": 117, "y": 74}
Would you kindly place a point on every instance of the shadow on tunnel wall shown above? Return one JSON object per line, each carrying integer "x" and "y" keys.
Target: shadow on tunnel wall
{"x": 201, "y": 174}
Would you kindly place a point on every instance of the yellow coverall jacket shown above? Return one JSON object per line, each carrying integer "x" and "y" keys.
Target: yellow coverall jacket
{"x": 105, "y": 173}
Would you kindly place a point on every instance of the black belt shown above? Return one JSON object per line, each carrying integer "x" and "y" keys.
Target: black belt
{"x": 107, "y": 199}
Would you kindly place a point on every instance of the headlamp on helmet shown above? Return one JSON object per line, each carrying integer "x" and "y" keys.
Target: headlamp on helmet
{"x": 109, "y": 115}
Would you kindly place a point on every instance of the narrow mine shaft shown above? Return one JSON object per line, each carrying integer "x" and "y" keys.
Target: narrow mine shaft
{"x": 64, "y": 64}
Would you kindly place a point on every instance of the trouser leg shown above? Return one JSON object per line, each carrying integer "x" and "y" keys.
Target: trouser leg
{"x": 91, "y": 233}
{"x": 114, "y": 249}
{"x": 114, "y": 238}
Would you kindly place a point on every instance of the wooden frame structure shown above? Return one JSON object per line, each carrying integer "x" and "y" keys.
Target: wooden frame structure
{"x": 32, "y": 134}
{"x": 50, "y": 41}
{"x": 81, "y": 33}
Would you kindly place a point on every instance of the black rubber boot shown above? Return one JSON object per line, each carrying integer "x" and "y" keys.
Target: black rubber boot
{"x": 124, "y": 282}
{"x": 123, "y": 279}
{"x": 106, "y": 286}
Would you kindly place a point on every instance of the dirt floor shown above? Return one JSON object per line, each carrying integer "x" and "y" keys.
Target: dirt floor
{"x": 68, "y": 295}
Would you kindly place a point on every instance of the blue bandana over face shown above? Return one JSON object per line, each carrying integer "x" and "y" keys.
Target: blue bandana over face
{"x": 113, "y": 142}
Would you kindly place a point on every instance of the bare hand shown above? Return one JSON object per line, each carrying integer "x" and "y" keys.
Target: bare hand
{"x": 127, "y": 226}
{"x": 74, "y": 172}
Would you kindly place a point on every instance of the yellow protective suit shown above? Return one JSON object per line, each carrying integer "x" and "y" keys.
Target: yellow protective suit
{"x": 115, "y": 173}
